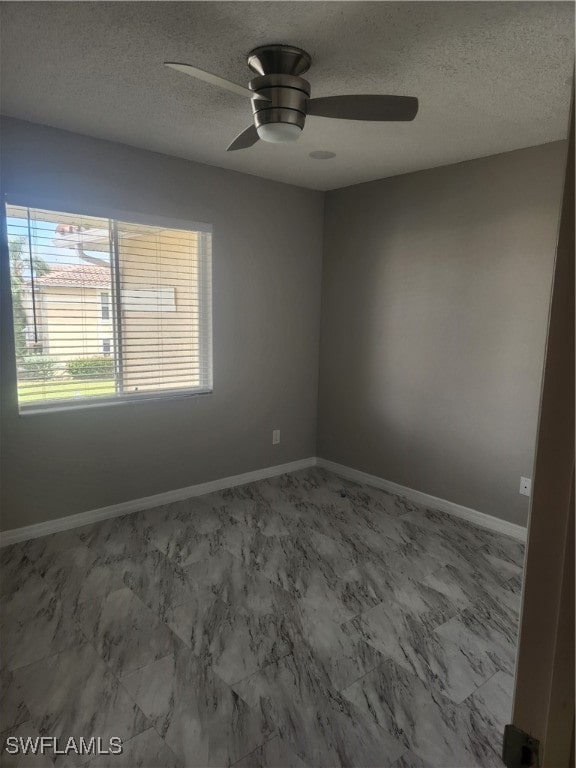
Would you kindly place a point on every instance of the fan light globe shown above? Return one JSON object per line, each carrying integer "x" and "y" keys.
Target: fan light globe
{"x": 278, "y": 133}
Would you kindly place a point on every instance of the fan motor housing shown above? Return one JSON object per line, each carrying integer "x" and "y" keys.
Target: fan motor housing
{"x": 279, "y": 68}
{"x": 287, "y": 96}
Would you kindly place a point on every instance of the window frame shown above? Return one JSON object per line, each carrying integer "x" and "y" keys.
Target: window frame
{"x": 205, "y": 293}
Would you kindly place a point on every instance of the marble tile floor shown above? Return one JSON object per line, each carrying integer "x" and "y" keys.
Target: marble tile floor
{"x": 298, "y": 622}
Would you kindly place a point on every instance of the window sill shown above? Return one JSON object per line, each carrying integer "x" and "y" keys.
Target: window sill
{"x": 103, "y": 402}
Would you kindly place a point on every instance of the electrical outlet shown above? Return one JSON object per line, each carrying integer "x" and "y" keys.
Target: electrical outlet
{"x": 275, "y": 437}
{"x": 525, "y": 486}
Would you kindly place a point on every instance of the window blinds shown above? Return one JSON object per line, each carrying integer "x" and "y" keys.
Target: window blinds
{"x": 107, "y": 309}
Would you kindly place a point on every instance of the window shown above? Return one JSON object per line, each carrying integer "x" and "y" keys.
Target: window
{"x": 105, "y": 306}
{"x": 107, "y": 310}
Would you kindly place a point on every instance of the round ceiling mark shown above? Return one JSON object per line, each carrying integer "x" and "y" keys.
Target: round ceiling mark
{"x": 321, "y": 154}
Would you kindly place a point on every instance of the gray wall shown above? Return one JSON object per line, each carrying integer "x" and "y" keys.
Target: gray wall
{"x": 267, "y": 274}
{"x": 435, "y": 297}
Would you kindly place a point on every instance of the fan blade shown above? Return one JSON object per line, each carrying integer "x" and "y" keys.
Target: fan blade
{"x": 245, "y": 139}
{"x": 364, "y": 107}
{"x": 208, "y": 77}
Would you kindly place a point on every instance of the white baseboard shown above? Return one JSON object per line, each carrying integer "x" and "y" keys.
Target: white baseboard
{"x": 426, "y": 500}
{"x": 135, "y": 505}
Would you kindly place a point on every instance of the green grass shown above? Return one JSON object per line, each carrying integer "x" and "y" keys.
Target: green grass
{"x": 59, "y": 389}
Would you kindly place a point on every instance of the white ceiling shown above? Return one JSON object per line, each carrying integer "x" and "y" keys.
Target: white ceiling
{"x": 490, "y": 76}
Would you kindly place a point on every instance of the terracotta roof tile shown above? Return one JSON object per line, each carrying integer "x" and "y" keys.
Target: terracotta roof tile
{"x": 76, "y": 275}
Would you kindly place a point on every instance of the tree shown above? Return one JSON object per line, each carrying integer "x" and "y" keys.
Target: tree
{"x": 18, "y": 263}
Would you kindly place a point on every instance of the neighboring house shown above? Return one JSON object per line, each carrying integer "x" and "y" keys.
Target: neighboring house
{"x": 73, "y": 312}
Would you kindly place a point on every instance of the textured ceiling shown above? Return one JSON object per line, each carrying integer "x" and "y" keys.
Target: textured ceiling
{"x": 490, "y": 76}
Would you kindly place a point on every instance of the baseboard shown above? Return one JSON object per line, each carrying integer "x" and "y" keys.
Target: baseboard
{"x": 426, "y": 500}
{"x": 136, "y": 505}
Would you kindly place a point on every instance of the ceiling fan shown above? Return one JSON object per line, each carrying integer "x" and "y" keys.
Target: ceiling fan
{"x": 281, "y": 97}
